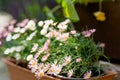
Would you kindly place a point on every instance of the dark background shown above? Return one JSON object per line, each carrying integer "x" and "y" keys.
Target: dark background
{"x": 107, "y": 31}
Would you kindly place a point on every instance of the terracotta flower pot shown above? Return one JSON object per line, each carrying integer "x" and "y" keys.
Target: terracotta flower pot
{"x": 19, "y": 73}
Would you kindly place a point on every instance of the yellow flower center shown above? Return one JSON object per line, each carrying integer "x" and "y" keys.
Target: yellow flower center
{"x": 65, "y": 38}
{"x": 53, "y": 70}
{"x": 88, "y": 75}
{"x": 34, "y": 63}
{"x": 41, "y": 74}
{"x": 67, "y": 62}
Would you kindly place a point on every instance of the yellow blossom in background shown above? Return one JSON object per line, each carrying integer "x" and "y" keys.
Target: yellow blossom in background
{"x": 100, "y": 16}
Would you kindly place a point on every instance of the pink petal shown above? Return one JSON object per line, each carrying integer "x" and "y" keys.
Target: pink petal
{"x": 78, "y": 59}
{"x": 25, "y": 21}
{"x": 92, "y": 30}
{"x": 73, "y": 32}
{"x": 11, "y": 28}
{"x": 102, "y": 45}
{"x": 5, "y": 33}
{"x": 13, "y": 22}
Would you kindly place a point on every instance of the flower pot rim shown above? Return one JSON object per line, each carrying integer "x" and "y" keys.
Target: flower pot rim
{"x": 8, "y": 61}
{"x": 108, "y": 72}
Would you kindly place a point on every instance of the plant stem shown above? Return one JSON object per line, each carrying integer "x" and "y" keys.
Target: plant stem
{"x": 100, "y": 5}
{"x": 85, "y": 2}
{"x": 55, "y": 8}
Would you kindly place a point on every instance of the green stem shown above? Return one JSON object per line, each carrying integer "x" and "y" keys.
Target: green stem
{"x": 85, "y": 2}
{"x": 55, "y": 8}
{"x": 100, "y": 5}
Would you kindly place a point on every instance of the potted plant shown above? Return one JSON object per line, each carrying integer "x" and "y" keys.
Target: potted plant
{"x": 53, "y": 51}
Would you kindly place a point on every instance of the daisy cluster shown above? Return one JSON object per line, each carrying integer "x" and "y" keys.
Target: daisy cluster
{"x": 54, "y": 48}
{"x": 7, "y": 28}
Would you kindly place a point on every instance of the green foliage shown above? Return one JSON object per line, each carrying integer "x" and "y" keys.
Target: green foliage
{"x": 32, "y": 10}
{"x": 69, "y": 9}
{"x": 49, "y": 13}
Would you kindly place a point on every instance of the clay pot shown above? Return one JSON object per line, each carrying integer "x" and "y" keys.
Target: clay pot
{"x": 19, "y": 73}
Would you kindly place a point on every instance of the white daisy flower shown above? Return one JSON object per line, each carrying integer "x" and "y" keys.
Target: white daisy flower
{"x": 43, "y": 32}
{"x": 19, "y": 48}
{"x": 31, "y": 25}
{"x": 34, "y": 69}
{"x": 30, "y": 37}
{"x": 62, "y": 27}
{"x": 22, "y": 30}
{"x": 40, "y": 73}
{"x": 52, "y": 33}
{"x": 40, "y": 23}
{"x": 67, "y": 60}
{"x": 45, "y": 27}
{"x": 9, "y": 37}
{"x": 40, "y": 65}
{"x": 33, "y": 34}
{"x": 87, "y": 75}
{"x": 32, "y": 28}
{"x": 48, "y": 22}
{"x": 45, "y": 57}
{"x": 46, "y": 67}
{"x": 33, "y": 63}
{"x": 17, "y": 29}
{"x": 63, "y": 37}
{"x": 12, "y": 49}
{"x": 34, "y": 48}
{"x": 67, "y": 21}
{"x": 16, "y": 36}
{"x": 55, "y": 69}
{"x": 38, "y": 53}
{"x": 7, "y": 51}
{"x": 29, "y": 57}
{"x": 17, "y": 56}
{"x": 54, "y": 24}
{"x": 70, "y": 73}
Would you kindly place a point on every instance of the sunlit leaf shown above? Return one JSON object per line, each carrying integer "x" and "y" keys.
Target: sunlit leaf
{"x": 69, "y": 10}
